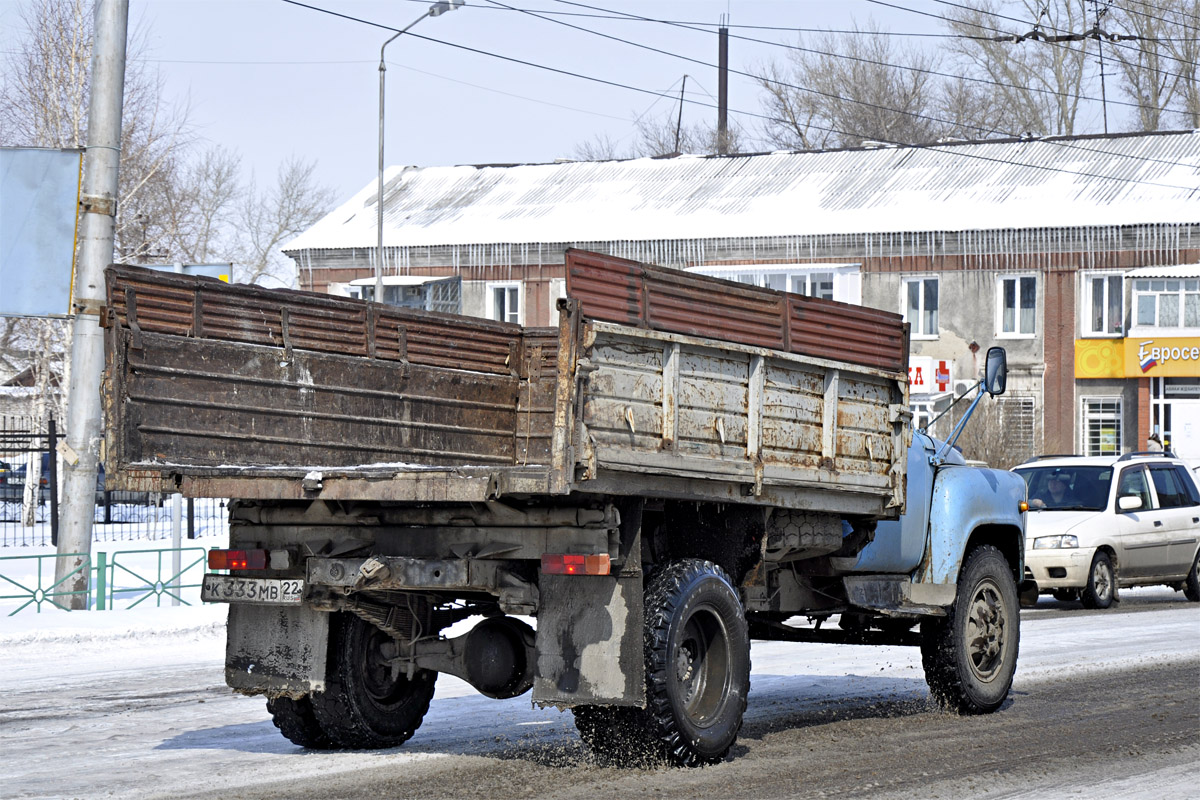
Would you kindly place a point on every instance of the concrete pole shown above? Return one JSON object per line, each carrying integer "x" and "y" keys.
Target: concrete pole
{"x": 98, "y": 208}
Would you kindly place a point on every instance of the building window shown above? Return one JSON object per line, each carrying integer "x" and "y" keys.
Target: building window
{"x": 921, "y": 307}
{"x": 1016, "y": 306}
{"x": 1101, "y": 426}
{"x": 504, "y": 301}
{"x": 1018, "y": 424}
{"x": 841, "y": 282}
{"x": 1165, "y": 303}
{"x": 1105, "y": 297}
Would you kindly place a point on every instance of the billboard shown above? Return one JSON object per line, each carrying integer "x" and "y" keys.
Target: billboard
{"x": 39, "y": 196}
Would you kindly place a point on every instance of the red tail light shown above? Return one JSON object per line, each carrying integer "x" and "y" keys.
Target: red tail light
{"x": 237, "y": 559}
{"x": 575, "y": 564}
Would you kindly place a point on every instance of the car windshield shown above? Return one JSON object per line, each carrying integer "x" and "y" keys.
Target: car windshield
{"x": 1067, "y": 488}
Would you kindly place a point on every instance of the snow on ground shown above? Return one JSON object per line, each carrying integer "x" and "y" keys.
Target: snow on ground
{"x": 137, "y": 696}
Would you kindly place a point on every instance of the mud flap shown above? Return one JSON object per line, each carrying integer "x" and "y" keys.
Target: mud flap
{"x": 589, "y": 641}
{"x": 278, "y": 650}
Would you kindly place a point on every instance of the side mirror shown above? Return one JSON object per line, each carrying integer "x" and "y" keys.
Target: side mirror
{"x": 996, "y": 371}
{"x": 1129, "y": 502}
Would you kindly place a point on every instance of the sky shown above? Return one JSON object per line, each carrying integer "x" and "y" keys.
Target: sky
{"x": 273, "y": 79}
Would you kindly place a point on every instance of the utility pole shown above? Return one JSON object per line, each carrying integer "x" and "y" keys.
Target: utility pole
{"x": 98, "y": 210}
{"x": 723, "y": 90}
{"x": 1100, "y": 12}
{"x": 679, "y": 121}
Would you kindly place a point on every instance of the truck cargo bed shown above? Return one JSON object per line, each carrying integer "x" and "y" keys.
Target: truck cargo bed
{"x": 656, "y": 383}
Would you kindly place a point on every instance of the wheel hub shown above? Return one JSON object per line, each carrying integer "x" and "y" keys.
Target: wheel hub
{"x": 986, "y": 632}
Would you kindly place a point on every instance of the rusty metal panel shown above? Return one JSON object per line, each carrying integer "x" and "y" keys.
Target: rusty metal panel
{"x": 200, "y": 307}
{"x": 643, "y": 295}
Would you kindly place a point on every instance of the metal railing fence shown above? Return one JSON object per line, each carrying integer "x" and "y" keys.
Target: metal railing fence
{"x": 128, "y": 577}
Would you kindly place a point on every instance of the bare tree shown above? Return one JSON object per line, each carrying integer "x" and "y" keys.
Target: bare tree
{"x": 272, "y": 216}
{"x": 841, "y": 90}
{"x": 44, "y": 103}
{"x": 200, "y": 207}
{"x": 1039, "y": 81}
{"x": 1158, "y": 71}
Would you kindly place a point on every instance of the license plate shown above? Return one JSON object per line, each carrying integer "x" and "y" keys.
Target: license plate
{"x": 271, "y": 591}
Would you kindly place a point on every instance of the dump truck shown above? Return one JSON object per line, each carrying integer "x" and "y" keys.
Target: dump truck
{"x": 602, "y": 513}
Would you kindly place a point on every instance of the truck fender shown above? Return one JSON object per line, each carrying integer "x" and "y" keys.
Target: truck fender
{"x": 969, "y": 506}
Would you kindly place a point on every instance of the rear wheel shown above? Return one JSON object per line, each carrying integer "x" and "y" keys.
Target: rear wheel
{"x": 366, "y": 704}
{"x": 970, "y": 656}
{"x": 297, "y": 722}
{"x": 697, "y": 650}
{"x": 1101, "y": 587}
{"x": 1191, "y": 586}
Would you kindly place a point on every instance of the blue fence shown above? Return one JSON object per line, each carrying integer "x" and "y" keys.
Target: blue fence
{"x": 120, "y": 580}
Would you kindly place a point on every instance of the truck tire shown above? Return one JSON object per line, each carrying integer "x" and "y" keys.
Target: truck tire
{"x": 364, "y": 705}
{"x": 1191, "y": 585}
{"x": 970, "y": 655}
{"x": 697, "y": 646}
{"x": 1101, "y": 587}
{"x": 297, "y": 722}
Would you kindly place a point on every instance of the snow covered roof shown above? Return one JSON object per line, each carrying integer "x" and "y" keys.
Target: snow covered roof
{"x": 1175, "y": 271}
{"x": 1043, "y": 183}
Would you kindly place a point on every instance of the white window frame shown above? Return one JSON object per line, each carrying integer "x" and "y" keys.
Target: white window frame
{"x": 508, "y": 286}
{"x": 914, "y": 330}
{"x": 1088, "y": 298}
{"x": 1016, "y": 278}
{"x": 1100, "y": 409}
{"x": 1145, "y": 287}
{"x": 846, "y": 278}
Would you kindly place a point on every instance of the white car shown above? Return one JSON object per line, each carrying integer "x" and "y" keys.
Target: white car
{"x": 1100, "y": 522}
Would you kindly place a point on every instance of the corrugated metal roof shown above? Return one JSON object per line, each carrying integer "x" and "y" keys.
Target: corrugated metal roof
{"x": 1046, "y": 183}
{"x": 1175, "y": 271}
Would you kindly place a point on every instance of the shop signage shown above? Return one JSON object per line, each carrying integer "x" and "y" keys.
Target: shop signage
{"x": 929, "y": 375}
{"x": 1140, "y": 357}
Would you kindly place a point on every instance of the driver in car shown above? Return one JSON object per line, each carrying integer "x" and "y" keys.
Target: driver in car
{"x": 1057, "y": 493}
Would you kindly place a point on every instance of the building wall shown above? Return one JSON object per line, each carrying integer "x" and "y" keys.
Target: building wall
{"x": 967, "y": 264}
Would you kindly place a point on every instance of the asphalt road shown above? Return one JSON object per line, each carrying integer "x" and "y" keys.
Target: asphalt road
{"x": 1105, "y": 705}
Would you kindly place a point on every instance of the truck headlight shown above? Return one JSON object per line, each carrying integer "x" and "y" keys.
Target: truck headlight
{"x": 1053, "y": 542}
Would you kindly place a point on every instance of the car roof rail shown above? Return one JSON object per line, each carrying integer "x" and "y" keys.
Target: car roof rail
{"x": 1044, "y": 456}
{"x": 1141, "y": 453}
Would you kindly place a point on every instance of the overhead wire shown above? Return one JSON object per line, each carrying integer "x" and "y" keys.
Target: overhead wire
{"x": 1063, "y": 45}
{"x": 859, "y": 59}
{"x": 603, "y": 81}
{"x": 650, "y": 19}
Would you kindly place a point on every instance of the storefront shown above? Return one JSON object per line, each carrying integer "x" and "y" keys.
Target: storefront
{"x": 1160, "y": 375}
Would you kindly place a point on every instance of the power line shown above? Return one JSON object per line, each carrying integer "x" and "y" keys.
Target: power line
{"x": 615, "y": 84}
{"x": 782, "y": 84}
{"x": 1083, "y": 52}
{"x": 921, "y": 70}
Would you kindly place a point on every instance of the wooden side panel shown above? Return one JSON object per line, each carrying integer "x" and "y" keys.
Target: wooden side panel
{"x": 742, "y": 415}
{"x": 200, "y": 402}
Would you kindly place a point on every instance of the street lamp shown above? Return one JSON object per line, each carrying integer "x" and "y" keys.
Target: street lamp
{"x": 435, "y": 10}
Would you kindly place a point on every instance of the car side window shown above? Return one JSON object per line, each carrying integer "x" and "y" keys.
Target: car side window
{"x": 1133, "y": 482}
{"x": 1171, "y": 493}
{"x": 1189, "y": 485}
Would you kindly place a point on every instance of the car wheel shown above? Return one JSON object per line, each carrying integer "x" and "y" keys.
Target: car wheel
{"x": 1101, "y": 587}
{"x": 970, "y": 655}
{"x": 1066, "y": 595}
{"x": 1191, "y": 586}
